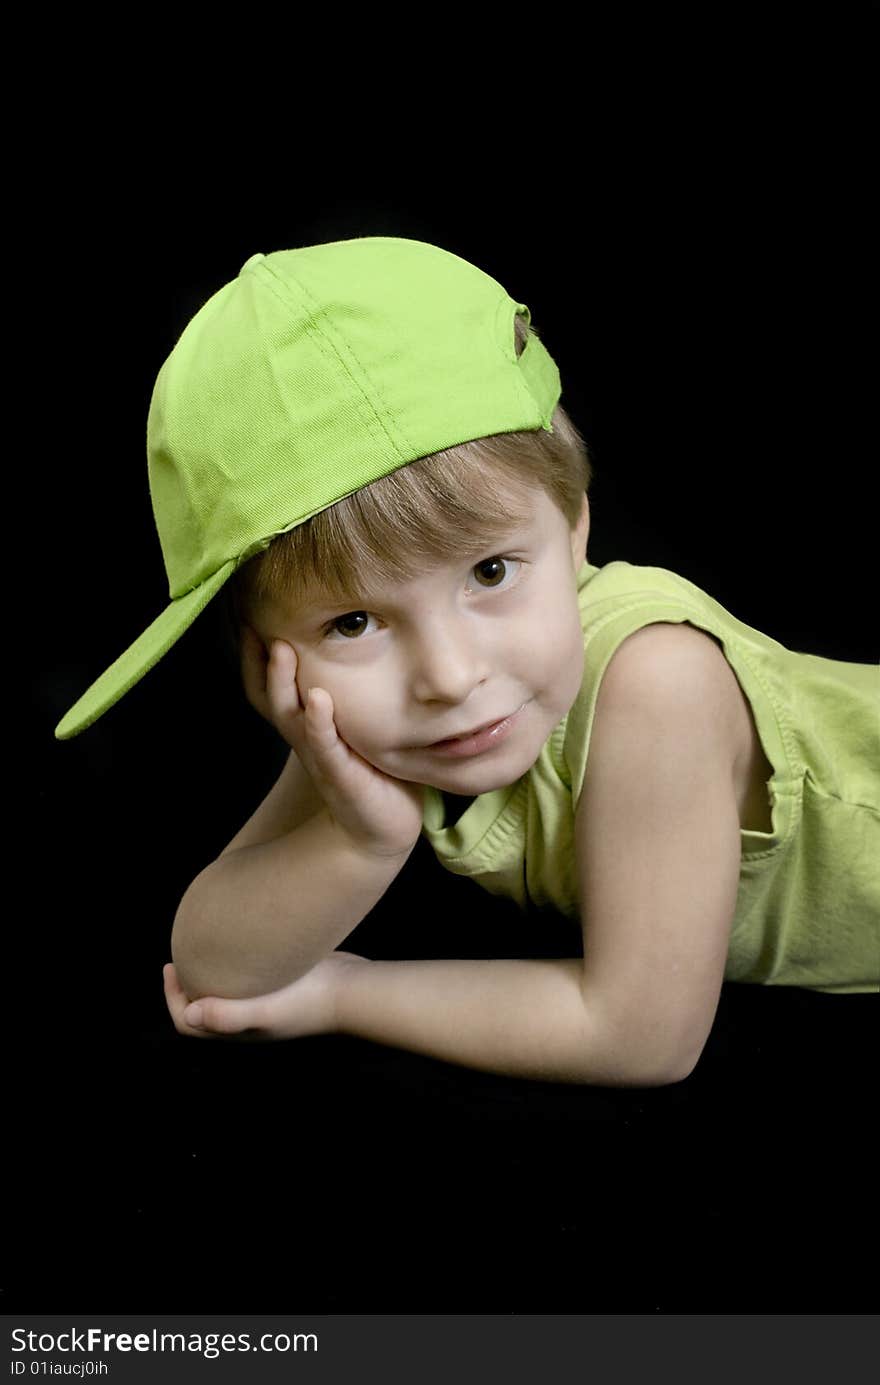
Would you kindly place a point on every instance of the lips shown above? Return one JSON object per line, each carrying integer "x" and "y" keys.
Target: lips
{"x": 472, "y": 731}
{"x": 477, "y": 742}
{"x": 497, "y": 727}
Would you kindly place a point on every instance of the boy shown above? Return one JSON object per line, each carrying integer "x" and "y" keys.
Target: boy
{"x": 440, "y": 657}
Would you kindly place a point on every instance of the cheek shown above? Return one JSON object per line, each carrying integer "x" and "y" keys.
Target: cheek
{"x": 357, "y": 704}
{"x": 555, "y": 654}
{"x": 569, "y": 677}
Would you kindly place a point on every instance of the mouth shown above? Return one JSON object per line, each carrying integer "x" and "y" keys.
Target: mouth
{"x": 478, "y": 738}
{"x": 465, "y": 735}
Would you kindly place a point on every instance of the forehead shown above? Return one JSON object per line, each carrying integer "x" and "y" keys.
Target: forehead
{"x": 541, "y": 522}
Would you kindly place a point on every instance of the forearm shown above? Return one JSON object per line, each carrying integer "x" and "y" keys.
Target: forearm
{"x": 260, "y": 917}
{"x": 521, "y": 1018}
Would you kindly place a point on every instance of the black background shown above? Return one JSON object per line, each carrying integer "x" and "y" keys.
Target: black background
{"x": 688, "y": 217}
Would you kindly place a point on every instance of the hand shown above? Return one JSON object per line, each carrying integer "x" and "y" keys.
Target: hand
{"x": 376, "y": 811}
{"x": 306, "y": 1006}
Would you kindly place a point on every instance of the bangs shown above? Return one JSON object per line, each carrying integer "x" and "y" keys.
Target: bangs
{"x": 417, "y": 516}
{"x": 421, "y": 515}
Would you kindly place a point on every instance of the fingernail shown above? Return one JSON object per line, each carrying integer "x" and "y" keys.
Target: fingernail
{"x": 193, "y": 1015}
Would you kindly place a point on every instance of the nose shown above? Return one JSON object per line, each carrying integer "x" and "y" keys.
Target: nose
{"x": 446, "y": 661}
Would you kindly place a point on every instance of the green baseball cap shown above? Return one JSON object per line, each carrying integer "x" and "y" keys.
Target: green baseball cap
{"x": 310, "y": 375}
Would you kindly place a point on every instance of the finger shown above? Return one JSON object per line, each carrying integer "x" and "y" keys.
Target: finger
{"x": 175, "y": 997}
{"x": 172, "y": 980}
{"x": 254, "y": 660}
{"x": 320, "y": 719}
{"x": 177, "y": 1001}
{"x": 331, "y": 759}
{"x": 215, "y": 1015}
{"x": 281, "y": 685}
{"x": 322, "y": 741}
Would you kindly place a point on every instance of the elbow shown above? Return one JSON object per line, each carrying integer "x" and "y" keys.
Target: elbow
{"x": 674, "y": 1069}
{"x": 635, "y": 1042}
{"x": 634, "y": 1070}
{"x": 201, "y": 973}
{"x": 188, "y": 948}
{"x": 652, "y": 1075}
{"x": 205, "y": 967}
{"x": 201, "y": 970}
{"x": 640, "y": 1065}
{"x": 186, "y": 961}
{"x": 664, "y": 1049}
{"x": 686, "y": 1067}
{"x": 669, "y": 1076}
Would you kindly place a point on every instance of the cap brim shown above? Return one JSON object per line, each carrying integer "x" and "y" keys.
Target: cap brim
{"x": 141, "y": 656}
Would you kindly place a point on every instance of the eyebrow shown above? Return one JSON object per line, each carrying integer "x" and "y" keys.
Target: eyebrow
{"x": 325, "y": 604}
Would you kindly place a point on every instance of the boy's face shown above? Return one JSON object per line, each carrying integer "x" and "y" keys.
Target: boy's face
{"x": 469, "y": 644}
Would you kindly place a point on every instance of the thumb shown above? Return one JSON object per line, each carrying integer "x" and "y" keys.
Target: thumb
{"x": 222, "y": 1016}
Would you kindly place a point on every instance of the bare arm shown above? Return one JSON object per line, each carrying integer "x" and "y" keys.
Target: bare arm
{"x": 658, "y": 841}
{"x": 309, "y": 864}
{"x": 261, "y": 915}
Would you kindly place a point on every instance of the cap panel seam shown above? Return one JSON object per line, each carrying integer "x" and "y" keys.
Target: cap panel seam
{"x": 327, "y": 342}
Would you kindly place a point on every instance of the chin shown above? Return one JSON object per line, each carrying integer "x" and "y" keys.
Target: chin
{"x": 477, "y": 777}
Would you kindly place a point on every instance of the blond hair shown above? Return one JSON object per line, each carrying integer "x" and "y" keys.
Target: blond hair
{"x": 432, "y": 509}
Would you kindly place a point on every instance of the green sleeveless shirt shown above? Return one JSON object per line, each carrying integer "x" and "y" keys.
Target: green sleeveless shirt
{"x": 808, "y": 904}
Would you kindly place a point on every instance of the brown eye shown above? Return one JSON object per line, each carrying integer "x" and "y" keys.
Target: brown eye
{"x": 491, "y": 572}
{"x": 352, "y": 624}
